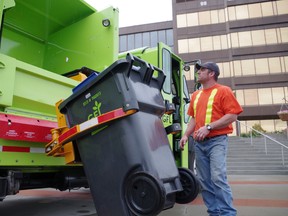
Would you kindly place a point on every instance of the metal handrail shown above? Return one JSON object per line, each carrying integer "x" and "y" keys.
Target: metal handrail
{"x": 265, "y": 138}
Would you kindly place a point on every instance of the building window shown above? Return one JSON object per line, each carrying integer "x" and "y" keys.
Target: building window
{"x": 267, "y": 9}
{"x": 123, "y": 43}
{"x": 146, "y": 39}
{"x": 242, "y": 12}
{"x": 153, "y": 38}
{"x": 231, "y": 13}
{"x": 284, "y": 35}
{"x": 216, "y": 42}
{"x": 192, "y": 19}
{"x": 222, "y": 15}
{"x": 181, "y": 20}
{"x": 206, "y": 44}
{"x": 162, "y": 36}
{"x": 234, "y": 40}
{"x": 258, "y": 37}
{"x": 286, "y": 63}
{"x": 254, "y": 10}
{"x": 248, "y": 67}
{"x": 274, "y": 65}
{"x": 271, "y": 36}
{"x": 226, "y": 70}
{"x": 183, "y": 46}
{"x": 265, "y": 96}
{"x": 224, "y": 42}
{"x": 245, "y": 39}
{"x": 204, "y": 18}
{"x": 261, "y": 66}
{"x": 130, "y": 42}
{"x": 282, "y": 7}
{"x": 251, "y": 97}
{"x": 138, "y": 40}
{"x": 214, "y": 17}
{"x": 237, "y": 68}
{"x": 194, "y": 45}
{"x": 278, "y": 95}
{"x": 240, "y": 97}
{"x": 169, "y": 35}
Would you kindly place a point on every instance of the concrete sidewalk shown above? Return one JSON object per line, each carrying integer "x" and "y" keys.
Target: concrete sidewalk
{"x": 260, "y": 195}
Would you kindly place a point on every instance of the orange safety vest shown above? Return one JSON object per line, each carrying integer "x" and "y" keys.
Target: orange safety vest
{"x": 208, "y": 105}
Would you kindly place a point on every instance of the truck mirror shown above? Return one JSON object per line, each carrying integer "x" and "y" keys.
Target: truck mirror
{"x": 186, "y": 68}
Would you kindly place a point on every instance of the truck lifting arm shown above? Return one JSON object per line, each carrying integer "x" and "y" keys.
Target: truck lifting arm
{"x": 63, "y": 135}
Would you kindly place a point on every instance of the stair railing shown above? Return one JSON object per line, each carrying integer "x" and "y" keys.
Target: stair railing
{"x": 283, "y": 147}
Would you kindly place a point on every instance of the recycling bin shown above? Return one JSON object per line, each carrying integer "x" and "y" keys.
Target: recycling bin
{"x": 128, "y": 161}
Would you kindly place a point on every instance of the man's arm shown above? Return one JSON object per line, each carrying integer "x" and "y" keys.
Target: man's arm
{"x": 224, "y": 121}
{"x": 220, "y": 123}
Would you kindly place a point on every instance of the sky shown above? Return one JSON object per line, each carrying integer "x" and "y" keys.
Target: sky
{"x": 137, "y": 12}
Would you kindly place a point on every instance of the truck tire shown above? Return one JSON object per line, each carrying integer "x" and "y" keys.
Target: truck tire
{"x": 190, "y": 184}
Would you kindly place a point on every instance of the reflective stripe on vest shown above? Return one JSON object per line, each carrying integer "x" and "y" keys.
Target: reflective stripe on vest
{"x": 210, "y": 101}
{"x": 209, "y": 107}
{"x": 195, "y": 102}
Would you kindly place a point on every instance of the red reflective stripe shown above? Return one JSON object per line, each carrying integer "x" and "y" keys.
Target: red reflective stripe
{"x": 110, "y": 115}
{"x": 67, "y": 134}
{"x": 15, "y": 149}
{"x": 90, "y": 123}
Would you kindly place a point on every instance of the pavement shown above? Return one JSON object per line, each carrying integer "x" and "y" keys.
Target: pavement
{"x": 258, "y": 195}
{"x": 254, "y": 195}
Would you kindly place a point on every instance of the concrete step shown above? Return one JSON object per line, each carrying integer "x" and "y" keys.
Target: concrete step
{"x": 259, "y": 160}
{"x": 255, "y": 166}
{"x": 244, "y": 158}
{"x": 253, "y": 154}
{"x": 257, "y": 172}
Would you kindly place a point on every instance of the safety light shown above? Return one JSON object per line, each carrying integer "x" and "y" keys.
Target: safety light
{"x": 106, "y": 22}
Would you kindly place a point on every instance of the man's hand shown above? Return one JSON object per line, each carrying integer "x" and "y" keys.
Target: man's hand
{"x": 183, "y": 142}
{"x": 201, "y": 133}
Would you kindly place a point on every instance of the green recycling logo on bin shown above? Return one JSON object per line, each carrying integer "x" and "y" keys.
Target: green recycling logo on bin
{"x": 96, "y": 110}
{"x": 96, "y": 107}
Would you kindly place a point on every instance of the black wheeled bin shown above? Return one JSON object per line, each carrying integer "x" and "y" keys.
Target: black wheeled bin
{"x": 128, "y": 161}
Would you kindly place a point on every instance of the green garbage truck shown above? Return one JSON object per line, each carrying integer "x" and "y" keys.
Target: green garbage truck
{"x": 50, "y": 50}
{"x": 40, "y": 42}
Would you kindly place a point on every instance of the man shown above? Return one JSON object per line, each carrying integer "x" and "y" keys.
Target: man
{"x": 212, "y": 110}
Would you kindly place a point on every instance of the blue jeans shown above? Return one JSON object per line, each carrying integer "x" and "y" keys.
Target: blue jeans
{"x": 211, "y": 170}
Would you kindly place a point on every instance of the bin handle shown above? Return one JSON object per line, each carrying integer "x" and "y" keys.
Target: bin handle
{"x": 82, "y": 129}
{"x": 160, "y": 78}
{"x": 146, "y": 70}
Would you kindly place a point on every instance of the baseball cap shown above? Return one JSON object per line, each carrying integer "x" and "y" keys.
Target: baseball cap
{"x": 209, "y": 65}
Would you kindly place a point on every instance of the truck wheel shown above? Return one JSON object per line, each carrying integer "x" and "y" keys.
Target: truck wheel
{"x": 190, "y": 184}
{"x": 144, "y": 194}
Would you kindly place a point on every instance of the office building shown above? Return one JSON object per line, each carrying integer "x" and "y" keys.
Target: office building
{"x": 247, "y": 38}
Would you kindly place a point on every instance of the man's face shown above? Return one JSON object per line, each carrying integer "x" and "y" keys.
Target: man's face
{"x": 204, "y": 75}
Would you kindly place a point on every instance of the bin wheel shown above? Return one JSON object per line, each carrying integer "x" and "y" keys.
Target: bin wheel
{"x": 144, "y": 194}
{"x": 190, "y": 184}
